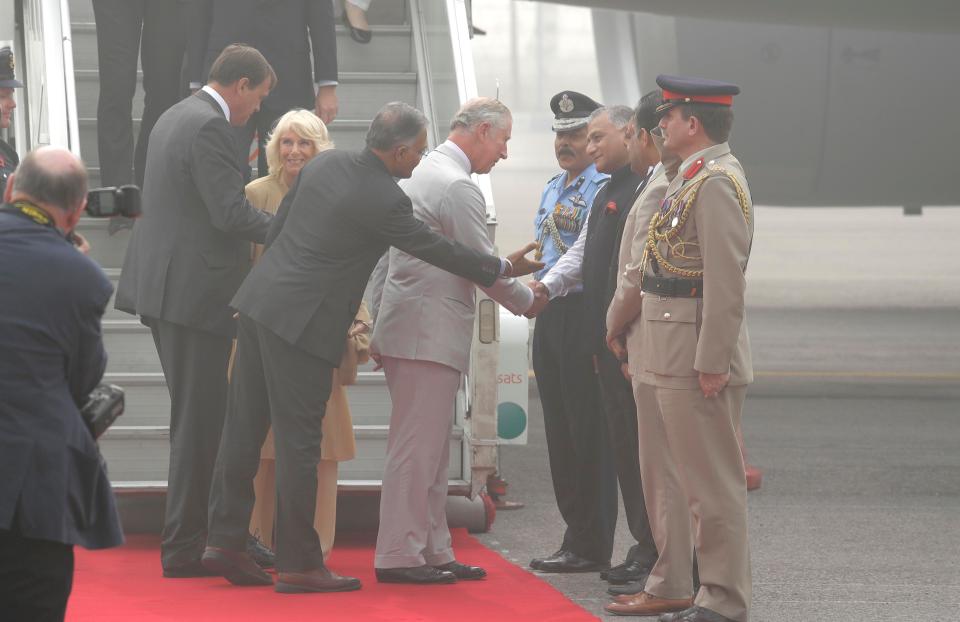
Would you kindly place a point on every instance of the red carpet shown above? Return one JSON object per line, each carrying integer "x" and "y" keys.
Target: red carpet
{"x": 125, "y": 584}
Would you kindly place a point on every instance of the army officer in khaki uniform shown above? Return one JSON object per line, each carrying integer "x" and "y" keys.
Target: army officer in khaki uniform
{"x": 695, "y": 359}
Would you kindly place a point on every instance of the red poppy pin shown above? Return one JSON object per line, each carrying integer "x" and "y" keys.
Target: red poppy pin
{"x": 611, "y": 207}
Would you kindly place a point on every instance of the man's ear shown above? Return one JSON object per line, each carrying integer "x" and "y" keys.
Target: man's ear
{"x": 243, "y": 84}
{"x": 74, "y": 217}
{"x": 8, "y": 191}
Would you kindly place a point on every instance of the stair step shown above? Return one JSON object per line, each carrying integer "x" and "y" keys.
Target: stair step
{"x": 360, "y": 93}
{"x": 380, "y": 12}
{"x": 140, "y": 453}
{"x": 134, "y": 487}
{"x": 391, "y": 48}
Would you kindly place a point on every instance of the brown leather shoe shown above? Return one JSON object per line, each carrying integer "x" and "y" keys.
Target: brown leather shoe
{"x": 236, "y": 566}
{"x": 316, "y": 580}
{"x": 644, "y": 604}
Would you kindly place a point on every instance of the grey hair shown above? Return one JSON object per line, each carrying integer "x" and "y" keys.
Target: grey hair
{"x": 62, "y": 187}
{"x": 619, "y": 115}
{"x": 396, "y": 123}
{"x": 480, "y": 110}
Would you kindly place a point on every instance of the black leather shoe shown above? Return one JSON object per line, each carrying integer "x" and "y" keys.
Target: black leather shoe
{"x": 570, "y": 562}
{"x": 236, "y": 567}
{"x": 627, "y": 573}
{"x": 422, "y": 575}
{"x": 536, "y": 561}
{"x": 463, "y": 571}
{"x": 187, "y": 571}
{"x": 357, "y": 34}
{"x": 316, "y": 580}
{"x": 627, "y": 589}
{"x": 694, "y": 614}
{"x": 605, "y": 573}
{"x": 256, "y": 549}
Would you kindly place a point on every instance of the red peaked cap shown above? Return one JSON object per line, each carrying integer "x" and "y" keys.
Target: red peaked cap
{"x": 687, "y": 90}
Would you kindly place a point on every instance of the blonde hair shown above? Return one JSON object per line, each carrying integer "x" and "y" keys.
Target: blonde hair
{"x": 303, "y": 123}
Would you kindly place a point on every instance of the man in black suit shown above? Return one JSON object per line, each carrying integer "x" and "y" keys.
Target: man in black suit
{"x": 298, "y": 302}
{"x": 187, "y": 256}
{"x": 284, "y": 31}
{"x": 54, "y": 491}
{"x": 152, "y": 30}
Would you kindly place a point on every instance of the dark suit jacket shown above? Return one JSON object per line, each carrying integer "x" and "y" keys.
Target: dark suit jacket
{"x": 343, "y": 213}
{"x": 189, "y": 251}
{"x": 283, "y": 30}
{"x": 52, "y": 483}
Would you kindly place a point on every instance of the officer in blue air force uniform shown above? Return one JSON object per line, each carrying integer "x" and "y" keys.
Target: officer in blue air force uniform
{"x": 583, "y": 477}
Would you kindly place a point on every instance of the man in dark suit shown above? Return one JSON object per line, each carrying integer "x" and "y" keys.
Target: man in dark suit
{"x": 187, "y": 256}
{"x": 295, "y": 307}
{"x": 151, "y": 30}
{"x": 54, "y": 491}
{"x": 285, "y": 31}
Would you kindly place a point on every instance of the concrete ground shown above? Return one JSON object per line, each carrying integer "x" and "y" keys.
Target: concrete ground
{"x": 857, "y": 516}
{"x": 854, "y": 419}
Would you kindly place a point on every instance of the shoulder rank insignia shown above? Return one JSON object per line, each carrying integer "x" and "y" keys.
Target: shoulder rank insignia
{"x": 694, "y": 168}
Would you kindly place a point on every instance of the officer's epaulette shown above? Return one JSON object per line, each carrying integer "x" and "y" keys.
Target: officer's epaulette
{"x": 555, "y": 177}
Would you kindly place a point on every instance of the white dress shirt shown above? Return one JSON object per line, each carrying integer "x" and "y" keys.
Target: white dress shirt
{"x": 212, "y": 92}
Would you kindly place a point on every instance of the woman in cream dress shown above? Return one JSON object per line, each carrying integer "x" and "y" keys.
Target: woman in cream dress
{"x": 299, "y": 136}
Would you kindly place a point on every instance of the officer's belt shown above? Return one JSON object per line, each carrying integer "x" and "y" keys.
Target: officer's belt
{"x": 674, "y": 288}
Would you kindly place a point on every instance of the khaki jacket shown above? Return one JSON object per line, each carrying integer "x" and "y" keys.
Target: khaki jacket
{"x": 681, "y": 337}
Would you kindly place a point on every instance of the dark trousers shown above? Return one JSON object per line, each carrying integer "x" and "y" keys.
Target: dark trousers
{"x": 195, "y": 365}
{"x": 261, "y": 124}
{"x": 126, "y": 29}
{"x": 621, "y": 413}
{"x": 584, "y": 479}
{"x": 35, "y": 578}
{"x": 273, "y": 383}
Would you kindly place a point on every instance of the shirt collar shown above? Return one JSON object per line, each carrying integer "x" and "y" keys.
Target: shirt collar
{"x": 209, "y": 90}
{"x": 458, "y": 155}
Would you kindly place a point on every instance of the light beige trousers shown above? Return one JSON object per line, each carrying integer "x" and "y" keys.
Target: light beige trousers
{"x": 413, "y": 502}
{"x": 692, "y": 468}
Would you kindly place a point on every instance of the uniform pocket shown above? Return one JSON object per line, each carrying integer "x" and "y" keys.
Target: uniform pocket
{"x": 669, "y": 335}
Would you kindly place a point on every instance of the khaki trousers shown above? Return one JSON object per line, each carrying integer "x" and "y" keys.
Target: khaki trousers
{"x": 691, "y": 467}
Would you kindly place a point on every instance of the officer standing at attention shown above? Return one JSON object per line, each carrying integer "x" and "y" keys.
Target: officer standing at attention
{"x": 696, "y": 348}
{"x": 8, "y": 156}
{"x": 584, "y": 480}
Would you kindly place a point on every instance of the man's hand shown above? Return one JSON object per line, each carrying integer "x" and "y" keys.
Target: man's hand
{"x": 326, "y": 104}
{"x": 376, "y": 359}
{"x": 541, "y": 298}
{"x": 521, "y": 265}
{"x": 80, "y": 243}
{"x": 625, "y": 370}
{"x": 616, "y": 345}
{"x": 712, "y": 384}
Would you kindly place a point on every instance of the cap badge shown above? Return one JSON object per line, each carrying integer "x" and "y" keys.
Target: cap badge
{"x": 11, "y": 61}
{"x": 566, "y": 104}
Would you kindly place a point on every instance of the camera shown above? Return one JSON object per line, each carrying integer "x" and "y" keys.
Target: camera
{"x": 114, "y": 201}
{"x": 103, "y": 406}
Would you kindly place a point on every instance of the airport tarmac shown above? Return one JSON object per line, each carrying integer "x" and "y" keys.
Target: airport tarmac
{"x": 855, "y": 421}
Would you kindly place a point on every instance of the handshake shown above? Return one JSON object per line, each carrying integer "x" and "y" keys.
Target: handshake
{"x": 522, "y": 266}
{"x": 541, "y": 298}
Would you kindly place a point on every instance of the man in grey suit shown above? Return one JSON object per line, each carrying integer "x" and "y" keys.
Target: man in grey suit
{"x": 342, "y": 214}
{"x": 186, "y": 258}
{"x": 422, "y": 339}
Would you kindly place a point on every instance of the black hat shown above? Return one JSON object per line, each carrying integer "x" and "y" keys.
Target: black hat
{"x": 7, "y": 80}
{"x": 570, "y": 110}
{"x": 686, "y": 90}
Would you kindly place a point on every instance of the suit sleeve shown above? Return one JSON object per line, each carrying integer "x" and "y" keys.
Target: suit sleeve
{"x": 464, "y": 215}
{"x": 283, "y": 210}
{"x": 397, "y": 226}
{"x": 218, "y": 179}
{"x": 724, "y": 238}
{"x": 323, "y": 40}
{"x": 627, "y": 301}
{"x": 88, "y": 362}
{"x": 197, "y": 16}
